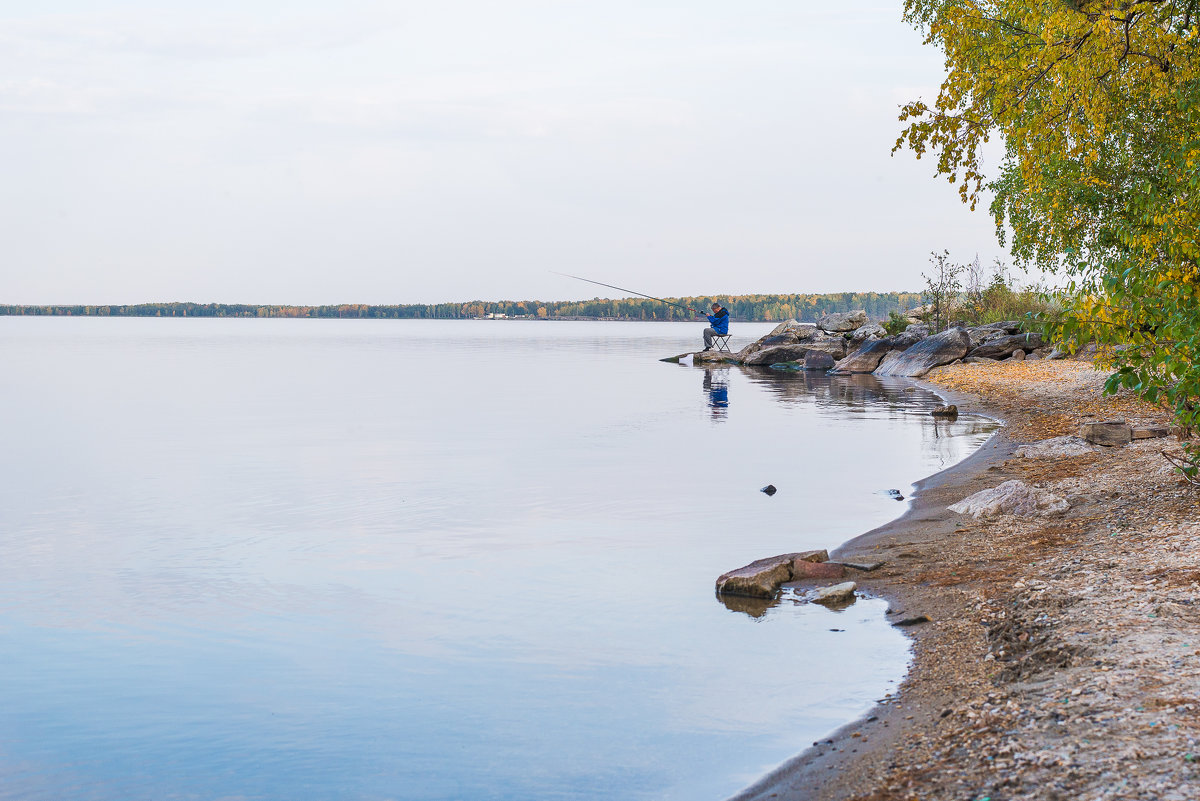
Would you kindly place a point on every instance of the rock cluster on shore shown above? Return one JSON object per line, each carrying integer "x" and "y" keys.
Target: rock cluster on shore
{"x": 1058, "y": 655}
{"x": 850, "y": 343}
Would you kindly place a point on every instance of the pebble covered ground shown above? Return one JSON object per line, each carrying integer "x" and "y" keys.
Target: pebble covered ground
{"x": 1071, "y": 669}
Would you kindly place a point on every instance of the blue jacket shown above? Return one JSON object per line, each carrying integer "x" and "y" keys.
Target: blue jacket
{"x": 720, "y": 321}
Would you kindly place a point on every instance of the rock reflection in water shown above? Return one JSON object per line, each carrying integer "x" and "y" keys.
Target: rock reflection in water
{"x": 754, "y": 607}
{"x": 888, "y": 397}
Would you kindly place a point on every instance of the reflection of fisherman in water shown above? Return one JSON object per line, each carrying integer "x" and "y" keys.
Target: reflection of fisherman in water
{"x": 718, "y": 393}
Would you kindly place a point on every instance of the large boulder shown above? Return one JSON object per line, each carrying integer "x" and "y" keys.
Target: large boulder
{"x": 794, "y": 326}
{"x": 866, "y": 358}
{"x": 788, "y": 337}
{"x": 943, "y": 348}
{"x": 1011, "y": 498}
{"x": 834, "y": 346}
{"x": 1004, "y": 346}
{"x": 868, "y": 332}
{"x": 989, "y": 331}
{"x": 818, "y": 360}
{"x": 778, "y": 353}
{"x": 920, "y": 330}
{"x": 842, "y": 321}
{"x": 911, "y": 335}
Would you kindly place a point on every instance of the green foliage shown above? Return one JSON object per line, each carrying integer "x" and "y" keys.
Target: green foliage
{"x": 895, "y": 323}
{"x": 942, "y": 288}
{"x": 1098, "y": 103}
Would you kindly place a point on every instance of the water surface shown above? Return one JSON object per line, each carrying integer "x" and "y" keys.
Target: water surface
{"x": 277, "y": 559}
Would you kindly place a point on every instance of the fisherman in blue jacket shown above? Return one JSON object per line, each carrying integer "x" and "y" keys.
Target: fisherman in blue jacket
{"x": 719, "y": 322}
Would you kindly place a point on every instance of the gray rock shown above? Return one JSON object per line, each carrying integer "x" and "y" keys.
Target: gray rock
{"x": 1110, "y": 433}
{"x": 865, "y": 566}
{"x": 1151, "y": 432}
{"x": 834, "y": 346}
{"x": 1006, "y": 345}
{"x": 870, "y": 331}
{"x": 786, "y": 338}
{"x": 789, "y": 325}
{"x": 758, "y": 579}
{"x": 1056, "y": 353}
{"x": 842, "y": 321}
{"x": 1054, "y": 448}
{"x": 945, "y": 411}
{"x": 762, "y": 578}
{"x": 836, "y": 595}
{"x": 1018, "y": 355}
{"x": 818, "y": 360}
{"x": 778, "y": 353}
{"x": 989, "y": 331}
{"x": 979, "y": 360}
{"x": 892, "y": 357}
{"x": 1034, "y": 356}
{"x": 714, "y": 356}
{"x": 918, "y": 329}
{"x": 1011, "y": 497}
{"x": 911, "y": 335}
{"x": 866, "y": 358}
{"x": 922, "y": 357}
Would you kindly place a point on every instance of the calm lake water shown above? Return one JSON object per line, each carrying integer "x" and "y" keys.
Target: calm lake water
{"x": 277, "y": 559}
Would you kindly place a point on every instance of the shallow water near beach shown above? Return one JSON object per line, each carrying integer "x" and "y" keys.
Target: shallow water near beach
{"x": 326, "y": 559}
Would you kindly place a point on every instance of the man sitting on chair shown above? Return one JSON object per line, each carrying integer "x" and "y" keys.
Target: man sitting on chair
{"x": 719, "y": 321}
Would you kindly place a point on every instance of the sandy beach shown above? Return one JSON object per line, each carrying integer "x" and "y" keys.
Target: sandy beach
{"x": 1062, "y": 654}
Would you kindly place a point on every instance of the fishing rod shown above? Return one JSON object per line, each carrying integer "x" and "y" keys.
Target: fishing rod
{"x": 630, "y": 291}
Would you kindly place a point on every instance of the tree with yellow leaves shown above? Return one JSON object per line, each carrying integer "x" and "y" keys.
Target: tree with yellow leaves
{"x": 1097, "y": 104}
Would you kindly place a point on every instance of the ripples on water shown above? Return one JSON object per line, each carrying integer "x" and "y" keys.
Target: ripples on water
{"x": 426, "y": 560}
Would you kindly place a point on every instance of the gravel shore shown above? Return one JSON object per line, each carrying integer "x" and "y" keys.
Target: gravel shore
{"x": 1061, "y": 659}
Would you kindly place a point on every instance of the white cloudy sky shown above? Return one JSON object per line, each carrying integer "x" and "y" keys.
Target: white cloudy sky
{"x": 309, "y": 152}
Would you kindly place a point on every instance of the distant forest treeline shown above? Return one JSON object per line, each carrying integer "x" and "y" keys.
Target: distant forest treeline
{"x": 741, "y": 307}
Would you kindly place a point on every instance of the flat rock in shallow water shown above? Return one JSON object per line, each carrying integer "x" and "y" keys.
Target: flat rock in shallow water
{"x": 836, "y": 595}
{"x": 927, "y": 354}
{"x": 714, "y": 356}
{"x": 1011, "y": 498}
{"x": 758, "y": 579}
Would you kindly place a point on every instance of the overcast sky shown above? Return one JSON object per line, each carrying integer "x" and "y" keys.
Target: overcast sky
{"x": 313, "y": 152}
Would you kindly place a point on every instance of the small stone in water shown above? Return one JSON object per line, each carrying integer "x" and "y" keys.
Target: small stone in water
{"x": 769, "y": 489}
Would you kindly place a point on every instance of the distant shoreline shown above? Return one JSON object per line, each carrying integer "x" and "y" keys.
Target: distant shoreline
{"x": 743, "y": 308}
